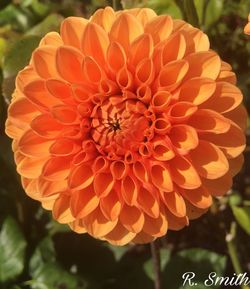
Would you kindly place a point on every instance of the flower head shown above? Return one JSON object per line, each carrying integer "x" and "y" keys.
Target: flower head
{"x": 126, "y": 125}
{"x": 247, "y": 27}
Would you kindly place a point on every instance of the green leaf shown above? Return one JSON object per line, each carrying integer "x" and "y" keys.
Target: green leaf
{"x": 242, "y": 215}
{"x": 47, "y": 273}
{"x": 117, "y": 251}
{"x": 148, "y": 266}
{"x": 12, "y": 250}
{"x": 165, "y": 7}
{"x": 50, "y": 23}
{"x": 190, "y": 12}
{"x": 197, "y": 260}
{"x": 19, "y": 55}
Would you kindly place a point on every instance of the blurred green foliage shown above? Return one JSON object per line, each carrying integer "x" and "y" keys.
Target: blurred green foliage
{"x": 35, "y": 251}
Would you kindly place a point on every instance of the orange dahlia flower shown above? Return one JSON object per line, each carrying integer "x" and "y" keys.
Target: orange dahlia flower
{"x": 247, "y": 27}
{"x": 126, "y": 125}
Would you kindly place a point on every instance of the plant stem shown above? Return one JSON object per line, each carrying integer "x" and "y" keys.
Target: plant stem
{"x": 155, "y": 251}
{"x": 232, "y": 250}
{"x": 114, "y": 4}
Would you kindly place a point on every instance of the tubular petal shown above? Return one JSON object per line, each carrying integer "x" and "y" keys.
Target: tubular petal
{"x": 176, "y": 223}
{"x": 148, "y": 202}
{"x": 220, "y": 186}
{"x": 129, "y": 190}
{"x": 156, "y": 227}
{"x": 111, "y": 205}
{"x": 120, "y": 236}
{"x": 104, "y": 17}
{"x": 116, "y": 57}
{"x": 57, "y": 168}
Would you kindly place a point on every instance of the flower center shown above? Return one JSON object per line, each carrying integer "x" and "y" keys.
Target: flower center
{"x": 119, "y": 127}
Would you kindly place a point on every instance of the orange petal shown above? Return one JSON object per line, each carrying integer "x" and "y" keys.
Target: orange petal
{"x": 120, "y": 236}
{"x": 232, "y": 142}
{"x": 57, "y": 168}
{"x": 103, "y": 184}
{"x": 72, "y": 29}
{"x": 162, "y": 150}
{"x": 60, "y": 89}
{"x": 143, "y": 238}
{"x": 129, "y": 190}
{"x": 104, "y": 17}
{"x": 125, "y": 29}
{"x": 43, "y": 60}
{"x": 91, "y": 70}
{"x": 236, "y": 164}
{"x": 172, "y": 74}
{"x": 194, "y": 212}
{"x": 132, "y": 218}
{"x": 147, "y": 200}
{"x": 81, "y": 177}
{"x": 247, "y": 29}
{"x": 225, "y": 98}
{"x": 212, "y": 164}
{"x": 144, "y": 73}
{"x": 181, "y": 111}
{"x": 95, "y": 42}
{"x": 69, "y": 63}
{"x": 116, "y": 58}
{"x": 156, "y": 227}
{"x": 161, "y": 100}
{"x": 46, "y": 126}
{"x": 83, "y": 202}
{"x": 204, "y": 64}
{"x": 33, "y": 145}
{"x": 65, "y": 114}
{"x": 175, "y": 203}
{"x": 206, "y": 120}
{"x": 30, "y": 167}
{"x": 159, "y": 28}
{"x": 184, "y": 174}
{"x": 61, "y": 211}
{"x": 141, "y": 48}
{"x": 161, "y": 177}
{"x": 197, "y": 90}
{"x": 175, "y": 223}
{"x": 48, "y": 188}
{"x": 97, "y": 224}
{"x": 111, "y": 205}
{"x": 183, "y": 137}
{"x": 140, "y": 171}
{"x": 77, "y": 226}
{"x": 51, "y": 38}
{"x": 169, "y": 54}
{"x": 64, "y": 147}
{"x": 119, "y": 169}
{"x": 220, "y": 186}
{"x": 144, "y": 15}
{"x": 199, "y": 197}
{"x": 238, "y": 116}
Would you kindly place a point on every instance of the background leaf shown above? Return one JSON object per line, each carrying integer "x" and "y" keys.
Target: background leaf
{"x": 12, "y": 250}
{"x": 242, "y": 215}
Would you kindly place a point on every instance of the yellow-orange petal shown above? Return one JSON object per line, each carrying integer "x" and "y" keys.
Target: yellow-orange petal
{"x": 51, "y": 38}
{"x": 161, "y": 177}
{"x": 120, "y": 236}
{"x": 184, "y": 174}
{"x": 197, "y": 90}
{"x": 61, "y": 211}
{"x": 72, "y": 29}
{"x": 81, "y": 177}
{"x": 103, "y": 184}
{"x": 175, "y": 203}
{"x": 43, "y": 60}
{"x": 199, "y": 197}
{"x": 111, "y": 205}
{"x": 83, "y": 202}
{"x": 159, "y": 27}
{"x": 104, "y": 17}
{"x": 148, "y": 201}
{"x": 69, "y": 63}
{"x": 125, "y": 29}
{"x": 132, "y": 218}
{"x": 211, "y": 165}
